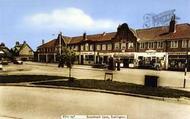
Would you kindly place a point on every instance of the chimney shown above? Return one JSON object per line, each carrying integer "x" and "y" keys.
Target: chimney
{"x": 43, "y": 41}
{"x": 172, "y": 27}
{"x": 17, "y": 43}
{"x": 84, "y": 36}
{"x": 2, "y": 44}
{"x": 104, "y": 33}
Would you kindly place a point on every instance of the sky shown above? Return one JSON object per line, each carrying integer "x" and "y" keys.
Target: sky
{"x": 34, "y": 20}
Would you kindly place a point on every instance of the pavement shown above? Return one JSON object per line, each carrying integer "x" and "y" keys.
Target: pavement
{"x": 48, "y": 103}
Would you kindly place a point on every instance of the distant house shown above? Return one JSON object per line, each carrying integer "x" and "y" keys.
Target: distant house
{"x": 4, "y": 52}
{"x": 23, "y": 51}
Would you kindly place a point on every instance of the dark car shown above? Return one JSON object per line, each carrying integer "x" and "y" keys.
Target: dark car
{"x": 4, "y": 62}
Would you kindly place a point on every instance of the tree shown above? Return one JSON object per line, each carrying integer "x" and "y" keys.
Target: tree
{"x": 69, "y": 57}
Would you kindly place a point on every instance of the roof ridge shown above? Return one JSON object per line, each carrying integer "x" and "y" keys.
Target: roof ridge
{"x": 161, "y": 27}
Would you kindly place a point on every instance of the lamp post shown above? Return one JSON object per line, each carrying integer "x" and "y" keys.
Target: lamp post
{"x": 186, "y": 65}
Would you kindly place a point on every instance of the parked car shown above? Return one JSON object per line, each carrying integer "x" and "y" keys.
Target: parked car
{"x": 4, "y": 62}
{"x": 17, "y": 62}
{"x": 150, "y": 66}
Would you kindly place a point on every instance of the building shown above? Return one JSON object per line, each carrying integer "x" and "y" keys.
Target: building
{"x": 49, "y": 52}
{"x": 23, "y": 51}
{"x": 5, "y": 53}
{"x": 166, "y": 46}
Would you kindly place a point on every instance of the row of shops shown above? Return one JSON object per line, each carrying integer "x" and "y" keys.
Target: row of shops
{"x": 148, "y": 59}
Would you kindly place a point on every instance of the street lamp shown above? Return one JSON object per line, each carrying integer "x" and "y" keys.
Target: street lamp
{"x": 186, "y": 65}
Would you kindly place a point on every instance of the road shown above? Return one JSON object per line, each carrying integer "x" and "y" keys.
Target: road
{"x": 166, "y": 78}
{"x": 44, "y": 103}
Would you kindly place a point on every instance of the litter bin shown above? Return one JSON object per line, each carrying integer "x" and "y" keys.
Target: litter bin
{"x": 151, "y": 81}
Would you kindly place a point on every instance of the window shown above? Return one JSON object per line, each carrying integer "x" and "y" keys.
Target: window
{"x": 82, "y": 47}
{"x": 98, "y": 47}
{"x": 86, "y": 47}
{"x": 104, "y": 47}
{"x": 116, "y": 46}
{"x": 159, "y": 44}
{"x": 174, "y": 44}
{"x": 76, "y": 48}
{"x": 151, "y": 45}
{"x": 130, "y": 45}
{"x": 123, "y": 46}
{"x": 91, "y": 47}
{"x": 142, "y": 45}
{"x": 109, "y": 46}
{"x": 184, "y": 44}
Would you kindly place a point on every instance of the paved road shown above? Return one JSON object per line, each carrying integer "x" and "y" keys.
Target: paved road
{"x": 167, "y": 78}
{"x": 43, "y": 103}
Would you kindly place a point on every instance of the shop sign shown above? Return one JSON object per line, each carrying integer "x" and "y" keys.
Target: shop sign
{"x": 177, "y": 53}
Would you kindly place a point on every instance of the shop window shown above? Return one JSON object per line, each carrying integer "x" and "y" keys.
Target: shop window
{"x": 104, "y": 47}
{"x": 89, "y": 58}
{"x": 109, "y": 46}
{"x": 174, "y": 44}
{"x": 116, "y": 46}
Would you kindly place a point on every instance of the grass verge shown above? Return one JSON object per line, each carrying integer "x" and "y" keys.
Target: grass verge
{"x": 27, "y": 78}
{"x": 95, "y": 84}
{"x": 121, "y": 87}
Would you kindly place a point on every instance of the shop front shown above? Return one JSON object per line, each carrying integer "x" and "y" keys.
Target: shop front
{"x": 126, "y": 59}
{"x": 177, "y": 61}
{"x": 151, "y": 60}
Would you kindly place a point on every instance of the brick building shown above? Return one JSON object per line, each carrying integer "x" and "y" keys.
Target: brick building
{"x": 166, "y": 46}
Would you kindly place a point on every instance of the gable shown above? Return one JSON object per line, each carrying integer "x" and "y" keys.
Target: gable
{"x": 126, "y": 34}
{"x": 25, "y": 50}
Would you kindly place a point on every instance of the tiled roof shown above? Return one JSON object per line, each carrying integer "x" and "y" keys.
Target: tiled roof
{"x": 161, "y": 33}
{"x": 149, "y": 34}
{"x": 52, "y": 43}
{"x": 95, "y": 37}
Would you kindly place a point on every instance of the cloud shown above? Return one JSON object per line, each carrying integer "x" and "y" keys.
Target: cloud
{"x": 69, "y": 19}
